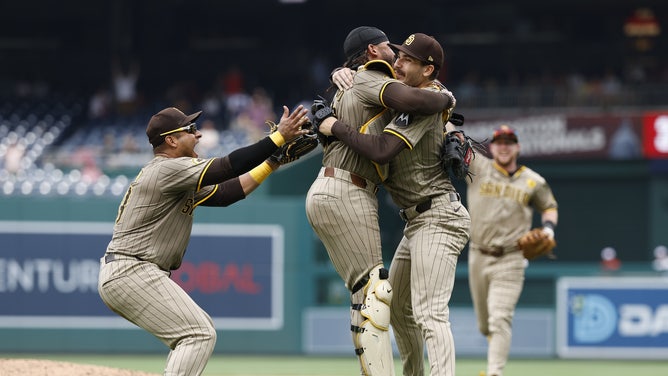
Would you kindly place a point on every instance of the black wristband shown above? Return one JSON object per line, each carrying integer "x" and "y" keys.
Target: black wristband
{"x": 550, "y": 224}
{"x": 247, "y": 157}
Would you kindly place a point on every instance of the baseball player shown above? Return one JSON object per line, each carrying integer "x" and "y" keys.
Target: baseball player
{"x": 341, "y": 204}
{"x": 501, "y": 198}
{"x": 422, "y": 272}
{"x": 153, "y": 226}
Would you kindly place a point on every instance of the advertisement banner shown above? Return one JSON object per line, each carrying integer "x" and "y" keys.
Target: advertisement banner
{"x": 612, "y": 317}
{"x": 655, "y": 135}
{"x": 560, "y": 136}
{"x": 49, "y": 271}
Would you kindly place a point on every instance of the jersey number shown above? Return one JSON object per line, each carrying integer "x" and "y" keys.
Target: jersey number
{"x": 188, "y": 207}
{"x": 121, "y": 208}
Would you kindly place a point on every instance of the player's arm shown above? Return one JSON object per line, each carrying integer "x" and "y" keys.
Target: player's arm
{"x": 547, "y": 204}
{"x": 404, "y": 98}
{"x": 401, "y": 97}
{"x": 236, "y": 189}
{"x": 550, "y": 215}
{"x": 378, "y": 148}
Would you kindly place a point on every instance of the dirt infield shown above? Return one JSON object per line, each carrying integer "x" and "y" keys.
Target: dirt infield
{"x": 35, "y": 367}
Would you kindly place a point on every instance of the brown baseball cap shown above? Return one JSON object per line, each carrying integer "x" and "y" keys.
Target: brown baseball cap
{"x": 422, "y": 47}
{"x": 169, "y": 119}
{"x": 506, "y": 133}
{"x": 360, "y": 37}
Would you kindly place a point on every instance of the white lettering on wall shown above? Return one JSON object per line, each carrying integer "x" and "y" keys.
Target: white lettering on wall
{"x": 638, "y": 320}
{"x": 44, "y": 275}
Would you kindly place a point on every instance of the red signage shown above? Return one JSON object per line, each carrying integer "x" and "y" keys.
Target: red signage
{"x": 655, "y": 135}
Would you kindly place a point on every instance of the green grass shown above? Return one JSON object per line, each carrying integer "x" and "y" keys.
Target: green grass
{"x": 255, "y": 365}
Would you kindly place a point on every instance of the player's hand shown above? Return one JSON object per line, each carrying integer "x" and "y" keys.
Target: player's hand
{"x": 326, "y": 126}
{"x": 291, "y": 124}
{"x": 343, "y": 78}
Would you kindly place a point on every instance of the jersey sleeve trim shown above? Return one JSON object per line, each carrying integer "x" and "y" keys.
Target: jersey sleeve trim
{"x": 382, "y": 91}
{"x": 201, "y": 176}
{"x": 404, "y": 139}
{"x": 379, "y": 171}
{"x": 214, "y": 190}
{"x": 366, "y": 125}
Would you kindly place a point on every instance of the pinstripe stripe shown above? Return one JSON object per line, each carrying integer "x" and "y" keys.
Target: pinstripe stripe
{"x": 404, "y": 139}
{"x": 144, "y": 295}
{"x": 360, "y": 107}
{"x": 345, "y": 218}
{"x": 422, "y": 273}
{"x": 155, "y": 224}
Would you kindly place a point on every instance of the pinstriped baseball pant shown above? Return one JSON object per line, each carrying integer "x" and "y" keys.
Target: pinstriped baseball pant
{"x": 422, "y": 274}
{"x": 345, "y": 218}
{"x": 145, "y": 295}
{"x": 496, "y": 284}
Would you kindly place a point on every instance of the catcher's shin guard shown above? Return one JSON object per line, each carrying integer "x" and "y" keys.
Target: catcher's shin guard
{"x": 372, "y": 337}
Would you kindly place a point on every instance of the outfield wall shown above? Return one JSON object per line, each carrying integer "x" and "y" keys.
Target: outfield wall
{"x": 246, "y": 265}
{"x": 262, "y": 252}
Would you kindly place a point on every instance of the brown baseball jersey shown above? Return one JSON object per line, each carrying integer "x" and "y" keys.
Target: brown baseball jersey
{"x": 501, "y": 207}
{"x": 150, "y": 237}
{"x": 422, "y": 271}
{"x": 360, "y": 106}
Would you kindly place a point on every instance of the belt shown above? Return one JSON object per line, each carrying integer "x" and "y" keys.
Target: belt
{"x": 411, "y": 212}
{"x": 357, "y": 180}
{"x": 494, "y": 251}
{"x": 109, "y": 257}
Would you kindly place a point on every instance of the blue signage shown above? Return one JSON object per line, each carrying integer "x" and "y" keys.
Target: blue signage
{"x": 612, "y": 317}
{"x": 49, "y": 271}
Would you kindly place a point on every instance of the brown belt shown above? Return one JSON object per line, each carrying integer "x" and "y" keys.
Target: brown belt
{"x": 109, "y": 257}
{"x": 409, "y": 213}
{"x": 354, "y": 178}
{"x": 494, "y": 251}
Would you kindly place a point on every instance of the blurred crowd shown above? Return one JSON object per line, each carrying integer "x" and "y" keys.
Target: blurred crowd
{"x": 102, "y": 133}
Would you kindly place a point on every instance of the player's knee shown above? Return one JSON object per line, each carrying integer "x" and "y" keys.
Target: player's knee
{"x": 212, "y": 336}
{"x": 377, "y": 299}
{"x": 207, "y": 334}
{"x": 499, "y": 324}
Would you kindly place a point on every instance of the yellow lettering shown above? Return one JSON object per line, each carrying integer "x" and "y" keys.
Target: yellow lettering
{"x": 491, "y": 189}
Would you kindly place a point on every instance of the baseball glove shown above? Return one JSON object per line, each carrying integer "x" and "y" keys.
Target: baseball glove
{"x": 321, "y": 110}
{"x": 295, "y": 149}
{"x": 536, "y": 243}
{"x": 456, "y": 156}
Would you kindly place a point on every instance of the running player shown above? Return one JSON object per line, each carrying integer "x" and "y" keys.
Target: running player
{"x": 501, "y": 198}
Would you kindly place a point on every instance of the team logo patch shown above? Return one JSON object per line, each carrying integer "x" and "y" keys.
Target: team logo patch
{"x": 403, "y": 120}
{"x": 531, "y": 183}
